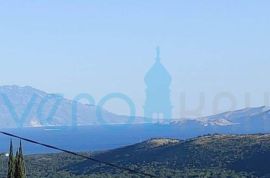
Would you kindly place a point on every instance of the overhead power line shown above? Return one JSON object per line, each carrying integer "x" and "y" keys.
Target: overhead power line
{"x": 79, "y": 155}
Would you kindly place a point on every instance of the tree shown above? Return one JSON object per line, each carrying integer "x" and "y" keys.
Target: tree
{"x": 16, "y": 166}
{"x": 11, "y": 162}
{"x": 22, "y": 165}
{"x": 19, "y": 164}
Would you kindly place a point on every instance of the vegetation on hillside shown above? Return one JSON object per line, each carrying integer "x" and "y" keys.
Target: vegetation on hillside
{"x": 206, "y": 156}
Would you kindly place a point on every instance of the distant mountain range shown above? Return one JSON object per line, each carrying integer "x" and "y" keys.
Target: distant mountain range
{"x": 239, "y": 117}
{"x": 207, "y": 156}
{"x": 248, "y": 120}
{"x": 29, "y": 107}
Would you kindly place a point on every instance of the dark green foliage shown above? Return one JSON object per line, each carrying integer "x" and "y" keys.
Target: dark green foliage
{"x": 20, "y": 163}
{"x": 16, "y": 167}
{"x": 236, "y": 156}
{"x": 16, "y": 161}
{"x": 220, "y": 152}
{"x": 11, "y": 165}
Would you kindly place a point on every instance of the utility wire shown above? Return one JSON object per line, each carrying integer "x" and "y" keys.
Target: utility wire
{"x": 79, "y": 155}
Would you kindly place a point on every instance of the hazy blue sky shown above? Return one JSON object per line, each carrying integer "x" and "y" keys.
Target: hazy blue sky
{"x": 100, "y": 47}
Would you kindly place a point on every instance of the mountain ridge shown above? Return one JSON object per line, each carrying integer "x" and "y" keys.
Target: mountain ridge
{"x": 15, "y": 101}
{"x": 256, "y": 118}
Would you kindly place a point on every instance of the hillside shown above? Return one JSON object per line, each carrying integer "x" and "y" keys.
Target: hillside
{"x": 206, "y": 156}
{"x": 237, "y": 153}
{"x": 30, "y": 107}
